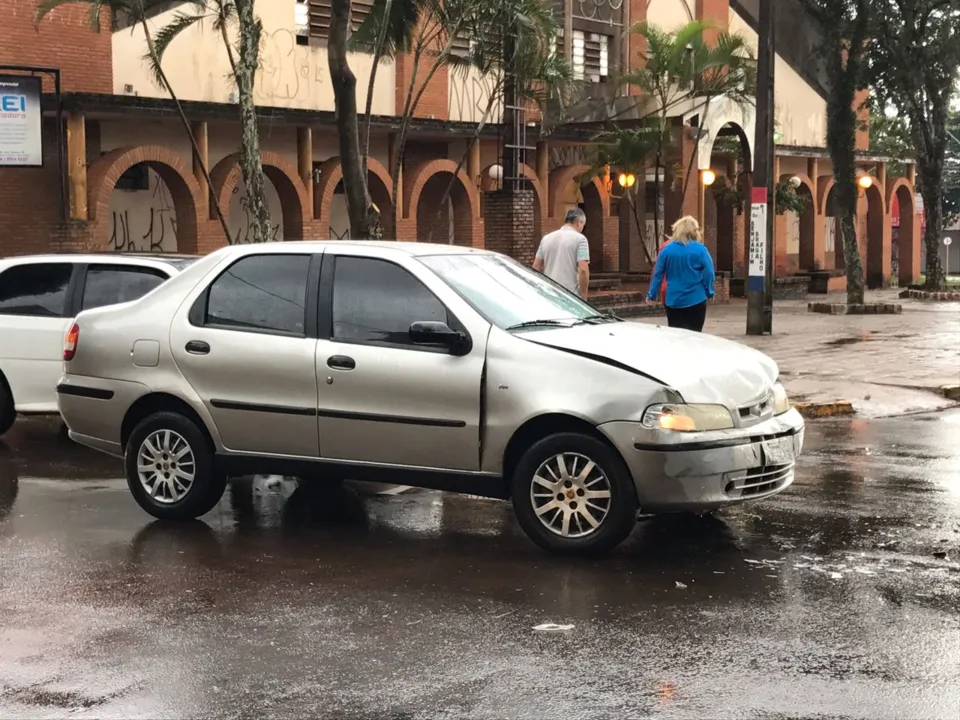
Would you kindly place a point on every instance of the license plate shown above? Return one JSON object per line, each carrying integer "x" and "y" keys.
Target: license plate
{"x": 778, "y": 452}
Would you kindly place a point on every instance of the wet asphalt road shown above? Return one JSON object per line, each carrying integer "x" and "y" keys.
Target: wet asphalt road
{"x": 831, "y": 600}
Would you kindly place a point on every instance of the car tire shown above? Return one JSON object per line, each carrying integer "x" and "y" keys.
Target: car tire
{"x": 8, "y": 410}
{"x": 164, "y": 491}
{"x": 613, "y": 508}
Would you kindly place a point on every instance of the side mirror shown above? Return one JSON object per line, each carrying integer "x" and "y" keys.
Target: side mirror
{"x": 439, "y": 334}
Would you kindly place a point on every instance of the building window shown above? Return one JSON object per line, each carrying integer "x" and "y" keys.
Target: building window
{"x": 318, "y": 17}
{"x": 301, "y": 20}
{"x": 591, "y": 56}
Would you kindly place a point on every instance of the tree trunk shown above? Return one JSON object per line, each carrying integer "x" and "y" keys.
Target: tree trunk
{"x": 251, "y": 166}
{"x": 363, "y": 217}
{"x": 932, "y": 192}
{"x": 842, "y": 142}
{"x": 186, "y": 126}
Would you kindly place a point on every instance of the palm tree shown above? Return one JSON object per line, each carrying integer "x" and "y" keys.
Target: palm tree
{"x": 513, "y": 46}
{"x": 227, "y": 17}
{"x": 430, "y": 28}
{"x": 139, "y": 11}
{"x": 681, "y": 67}
{"x": 423, "y": 29}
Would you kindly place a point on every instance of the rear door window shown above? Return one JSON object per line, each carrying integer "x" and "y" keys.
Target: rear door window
{"x": 113, "y": 284}
{"x": 35, "y": 289}
{"x": 261, "y": 293}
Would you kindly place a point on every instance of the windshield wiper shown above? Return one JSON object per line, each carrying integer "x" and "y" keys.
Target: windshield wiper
{"x": 539, "y": 323}
{"x": 596, "y": 319}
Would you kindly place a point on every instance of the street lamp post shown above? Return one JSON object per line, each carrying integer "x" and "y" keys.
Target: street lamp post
{"x": 760, "y": 267}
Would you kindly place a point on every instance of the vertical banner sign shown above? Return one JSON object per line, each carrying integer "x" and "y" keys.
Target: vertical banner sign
{"x": 21, "y": 140}
{"x": 758, "y": 241}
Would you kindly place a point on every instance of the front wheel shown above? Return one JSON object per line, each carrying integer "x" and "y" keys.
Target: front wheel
{"x": 170, "y": 469}
{"x": 573, "y": 494}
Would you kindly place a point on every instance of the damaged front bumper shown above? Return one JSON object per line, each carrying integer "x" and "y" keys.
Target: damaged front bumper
{"x": 698, "y": 472}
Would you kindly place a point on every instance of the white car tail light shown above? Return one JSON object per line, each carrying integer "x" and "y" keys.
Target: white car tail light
{"x": 71, "y": 342}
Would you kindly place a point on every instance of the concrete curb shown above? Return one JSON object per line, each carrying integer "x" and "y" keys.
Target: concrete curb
{"x": 950, "y": 392}
{"x": 845, "y": 309}
{"x": 835, "y": 408}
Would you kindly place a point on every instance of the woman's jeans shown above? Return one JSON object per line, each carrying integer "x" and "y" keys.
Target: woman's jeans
{"x": 688, "y": 318}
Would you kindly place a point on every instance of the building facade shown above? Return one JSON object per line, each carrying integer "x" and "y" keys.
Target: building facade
{"x": 124, "y": 177}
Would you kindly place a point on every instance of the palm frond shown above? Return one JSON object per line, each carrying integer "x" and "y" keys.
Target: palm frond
{"x": 45, "y": 7}
{"x": 167, "y": 34}
{"x": 404, "y": 17}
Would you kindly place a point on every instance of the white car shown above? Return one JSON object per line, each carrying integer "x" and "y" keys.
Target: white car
{"x": 39, "y": 297}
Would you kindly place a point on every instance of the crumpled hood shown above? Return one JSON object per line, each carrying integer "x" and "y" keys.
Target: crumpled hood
{"x": 702, "y": 368}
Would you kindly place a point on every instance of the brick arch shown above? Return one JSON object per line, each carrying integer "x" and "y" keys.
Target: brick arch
{"x": 909, "y": 240}
{"x": 422, "y": 173}
{"x": 804, "y": 180}
{"x": 562, "y": 176}
{"x": 294, "y": 200}
{"x": 892, "y": 189}
{"x": 823, "y": 193}
{"x": 331, "y": 173}
{"x": 876, "y": 245}
{"x": 187, "y": 197}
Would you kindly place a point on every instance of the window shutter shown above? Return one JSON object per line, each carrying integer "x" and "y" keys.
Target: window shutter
{"x": 319, "y": 11}
{"x": 319, "y": 18}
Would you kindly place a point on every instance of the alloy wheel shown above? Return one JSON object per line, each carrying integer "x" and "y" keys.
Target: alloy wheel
{"x": 166, "y": 466}
{"x": 570, "y": 495}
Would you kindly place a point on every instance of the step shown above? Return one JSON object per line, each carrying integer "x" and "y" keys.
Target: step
{"x": 606, "y": 300}
{"x": 603, "y": 283}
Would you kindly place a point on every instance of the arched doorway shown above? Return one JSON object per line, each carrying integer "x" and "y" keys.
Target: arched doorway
{"x": 142, "y": 214}
{"x": 806, "y": 230}
{"x": 832, "y": 233}
{"x": 144, "y": 199}
{"x": 726, "y": 202}
{"x": 876, "y": 268}
{"x": 904, "y": 244}
{"x": 592, "y": 205}
{"x": 442, "y": 220}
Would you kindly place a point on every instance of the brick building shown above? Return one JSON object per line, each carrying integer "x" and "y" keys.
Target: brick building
{"x": 128, "y": 180}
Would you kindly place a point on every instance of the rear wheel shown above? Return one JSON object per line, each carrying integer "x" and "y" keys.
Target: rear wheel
{"x": 8, "y": 411}
{"x": 170, "y": 469}
{"x": 573, "y": 494}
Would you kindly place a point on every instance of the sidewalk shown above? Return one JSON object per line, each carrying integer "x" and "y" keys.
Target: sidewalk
{"x": 881, "y": 364}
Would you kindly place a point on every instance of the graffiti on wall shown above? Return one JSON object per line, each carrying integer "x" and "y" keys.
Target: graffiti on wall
{"x": 469, "y": 99}
{"x": 239, "y": 215}
{"x": 143, "y": 220}
{"x": 289, "y": 72}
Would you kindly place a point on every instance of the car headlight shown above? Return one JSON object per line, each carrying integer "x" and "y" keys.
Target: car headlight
{"x": 687, "y": 418}
{"x": 781, "y": 403}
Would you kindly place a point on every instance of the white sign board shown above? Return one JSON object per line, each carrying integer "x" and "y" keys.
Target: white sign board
{"x": 758, "y": 241}
{"x": 21, "y": 140}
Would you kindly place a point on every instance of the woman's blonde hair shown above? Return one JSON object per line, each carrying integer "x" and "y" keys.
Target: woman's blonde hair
{"x": 686, "y": 229}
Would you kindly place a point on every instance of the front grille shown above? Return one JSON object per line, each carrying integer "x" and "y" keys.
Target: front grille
{"x": 760, "y": 481}
{"x": 755, "y": 412}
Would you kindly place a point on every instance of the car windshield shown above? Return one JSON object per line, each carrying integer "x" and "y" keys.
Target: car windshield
{"x": 509, "y": 294}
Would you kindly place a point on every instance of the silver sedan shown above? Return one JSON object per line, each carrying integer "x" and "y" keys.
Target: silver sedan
{"x": 425, "y": 365}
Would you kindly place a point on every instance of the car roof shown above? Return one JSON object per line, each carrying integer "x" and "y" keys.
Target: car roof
{"x": 112, "y": 258}
{"x": 416, "y": 249}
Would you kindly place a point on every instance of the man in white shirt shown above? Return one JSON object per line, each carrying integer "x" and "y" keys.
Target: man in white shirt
{"x": 564, "y": 254}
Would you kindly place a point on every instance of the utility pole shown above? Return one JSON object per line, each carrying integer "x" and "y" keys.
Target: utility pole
{"x": 760, "y": 277}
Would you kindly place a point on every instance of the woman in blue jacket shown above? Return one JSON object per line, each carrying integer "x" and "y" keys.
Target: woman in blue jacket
{"x": 688, "y": 268}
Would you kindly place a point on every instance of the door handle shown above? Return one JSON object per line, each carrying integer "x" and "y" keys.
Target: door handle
{"x": 341, "y": 362}
{"x": 197, "y": 347}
